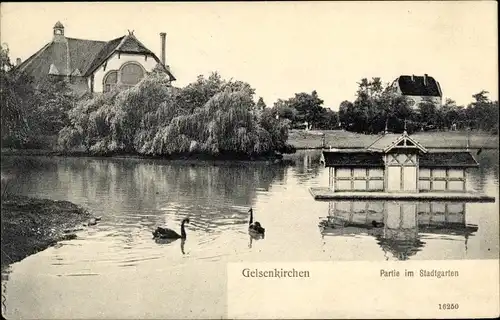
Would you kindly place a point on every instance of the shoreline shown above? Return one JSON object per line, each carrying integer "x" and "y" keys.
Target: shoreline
{"x": 298, "y": 140}
{"x": 471, "y": 148}
{"x": 31, "y": 225}
{"x": 52, "y": 153}
{"x": 184, "y": 160}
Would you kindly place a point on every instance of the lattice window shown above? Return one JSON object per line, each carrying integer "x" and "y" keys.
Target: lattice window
{"x": 131, "y": 73}
{"x": 110, "y": 80}
{"x": 442, "y": 179}
{"x": 362, "y": 179}
{"x": 402, "y": 159}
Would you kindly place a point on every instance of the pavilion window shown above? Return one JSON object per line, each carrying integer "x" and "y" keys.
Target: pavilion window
{"x": 131, "y": 74}
{"x": 110, "y": 80}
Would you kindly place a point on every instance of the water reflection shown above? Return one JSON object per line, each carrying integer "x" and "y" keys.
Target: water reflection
{"x": 130, "y": 194}
{"x": 306, "y": 164}
{"x": 398, "y": 227}
{"x": 135, "y": 196}
{"x": 254, "y": 236}
{"x": 162, "y": 241}
{"x": 488, "y": 168}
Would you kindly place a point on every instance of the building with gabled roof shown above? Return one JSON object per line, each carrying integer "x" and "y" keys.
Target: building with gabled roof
{"x": 397, "y": 163}
{"x": 93, "y": 65}
{"x": 418, "y": 89}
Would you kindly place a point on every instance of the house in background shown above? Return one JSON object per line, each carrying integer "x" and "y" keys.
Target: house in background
{"x": 418, "y": 89}
{"x": 94, "y": 66}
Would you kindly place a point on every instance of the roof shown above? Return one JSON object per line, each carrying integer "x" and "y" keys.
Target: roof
{"x": 81, "y": 56}
{"x": 415, "y": 86}
{"x": 103, "y": 54}
{"x": 67, "y": 57}
{"x": 447, "y": 159}
{"x": 389, "y": 141}
{"x": 353, "y": 159}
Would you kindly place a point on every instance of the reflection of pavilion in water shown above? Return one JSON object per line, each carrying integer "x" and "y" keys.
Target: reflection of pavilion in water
{"x": 397, "y": 226}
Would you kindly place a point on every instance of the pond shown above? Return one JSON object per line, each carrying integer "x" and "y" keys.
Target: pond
{"x": 116, "y": 270}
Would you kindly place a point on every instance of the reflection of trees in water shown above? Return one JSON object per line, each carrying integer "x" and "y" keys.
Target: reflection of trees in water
{"x": 132, "y": 191}
{"x": 305, "y": 164}
{"x": 397, "y": 226}
{"x": 488, "y": 167}
{"x": 18, "y": 172}
{"x": 204, "y": 184}
{"x": 208, "y": 193}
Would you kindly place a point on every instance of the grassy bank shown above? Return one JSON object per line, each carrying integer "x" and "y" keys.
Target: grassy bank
{"x": 31, "y": 225}
{"x": 313, "y": 139}
{"x": 301, "y": 139}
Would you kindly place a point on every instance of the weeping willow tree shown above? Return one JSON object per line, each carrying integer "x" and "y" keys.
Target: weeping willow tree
{"x": 155, "y": 119}
{"x": 226, "y": 124}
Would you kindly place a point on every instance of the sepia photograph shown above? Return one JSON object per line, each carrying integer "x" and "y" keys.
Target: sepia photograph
{"x": 249, "y": 160}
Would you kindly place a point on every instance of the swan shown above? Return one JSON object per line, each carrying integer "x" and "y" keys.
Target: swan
{"x": 254, "y": 227}
{"x": 166, "y": 233}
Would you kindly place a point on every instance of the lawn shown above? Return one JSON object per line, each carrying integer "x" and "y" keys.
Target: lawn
{"x": 343, "y": 139}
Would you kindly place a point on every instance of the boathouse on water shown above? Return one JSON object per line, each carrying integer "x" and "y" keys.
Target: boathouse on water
{"x": 397, "y": 163}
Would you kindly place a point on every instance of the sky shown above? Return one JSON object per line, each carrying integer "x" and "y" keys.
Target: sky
{"x": 282, "y": 48}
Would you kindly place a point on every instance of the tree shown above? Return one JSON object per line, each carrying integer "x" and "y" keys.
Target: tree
{"x": 483, "y": 113}
{"x": 196, "y": 94}
{"x": 453, "y": 115}
{"x": 150, "y": 119}
{"x": 261, "y": 105}
{"x": 309, "y": 107}
{"x": 16, "y": 96}
{"x": 284, "y": 110}
{"x": 54, "y": 100}
{"x": 346, "y": 111}
{"x": 371, "y": 88}
{"x": 328, "y": 120}
{"x": 428, "y": 114}
{"x": 374, "y": 108}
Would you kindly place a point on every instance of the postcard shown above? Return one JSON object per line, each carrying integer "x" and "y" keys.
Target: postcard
{"x": 250, "y": 160}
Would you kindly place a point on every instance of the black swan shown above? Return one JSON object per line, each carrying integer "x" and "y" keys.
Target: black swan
{"x": 166, "y": 233}
{"x": 254, "y": 227}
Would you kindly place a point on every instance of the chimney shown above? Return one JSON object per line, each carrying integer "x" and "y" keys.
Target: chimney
{"x": 425, "y": 79}
{"x": 18, "y": 62}
{"x": 412, "y": 77}
{"x": 163, "y": 45}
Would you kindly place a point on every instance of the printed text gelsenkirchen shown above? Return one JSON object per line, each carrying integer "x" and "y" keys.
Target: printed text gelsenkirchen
{"x": 274, "y": 273}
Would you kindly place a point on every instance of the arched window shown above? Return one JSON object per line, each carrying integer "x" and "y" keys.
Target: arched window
{"x": 131, "y": 74}
{"x": 110, "y": 80}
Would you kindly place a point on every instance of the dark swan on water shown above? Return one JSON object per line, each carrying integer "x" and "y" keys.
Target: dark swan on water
{"x": 166, "y": 233}
{"x": 255, "y": 227}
